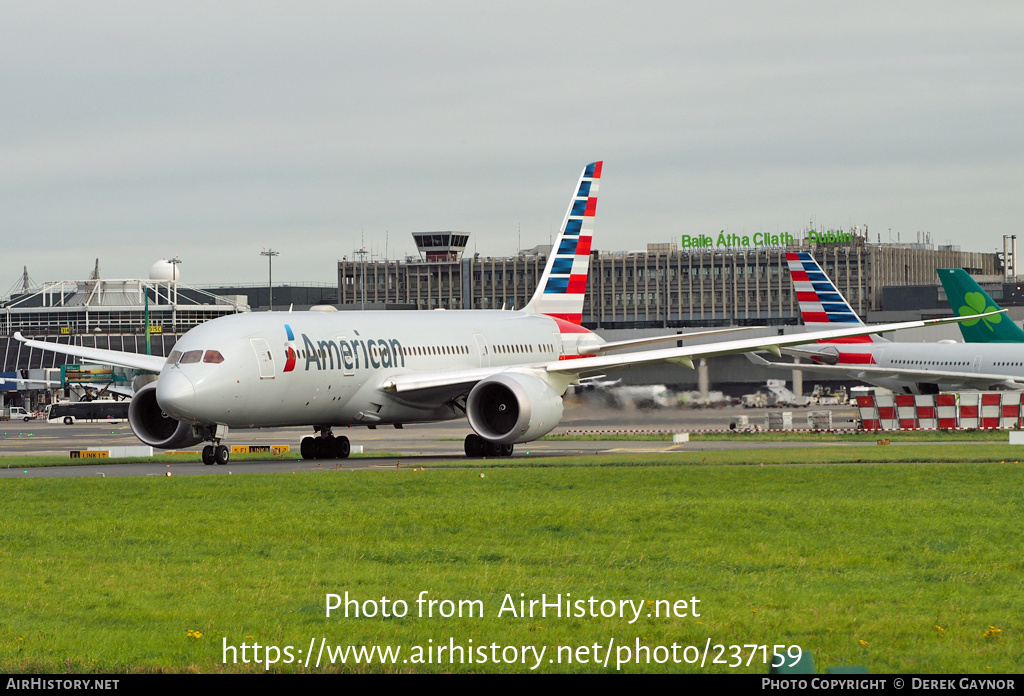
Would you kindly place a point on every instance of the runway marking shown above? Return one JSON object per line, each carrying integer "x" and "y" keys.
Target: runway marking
{"x": 25, "y": 438}
{"x": 629, "y": 450}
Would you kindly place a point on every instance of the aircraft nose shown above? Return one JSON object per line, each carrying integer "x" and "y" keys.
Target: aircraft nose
{"x": 175, "y": 393}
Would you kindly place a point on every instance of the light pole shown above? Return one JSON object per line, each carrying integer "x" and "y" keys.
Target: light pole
{"x": 362, "y": 275}
{"x": 174, "y": 287}
{"x": 270, "y": 254}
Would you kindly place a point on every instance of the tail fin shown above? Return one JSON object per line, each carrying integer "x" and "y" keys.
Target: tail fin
{"x": 822, "y": 306}
{"x": 563, "y": 285}
{"x": 966, "y": 297}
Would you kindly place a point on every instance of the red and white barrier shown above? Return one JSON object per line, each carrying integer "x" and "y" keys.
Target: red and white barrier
{"x": 962, "y": 410}
{"x": 947, "y": 411}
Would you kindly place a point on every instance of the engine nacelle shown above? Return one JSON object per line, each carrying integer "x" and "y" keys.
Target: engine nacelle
{"x": 151, "y": 425}
{"x": 512, "y": 407}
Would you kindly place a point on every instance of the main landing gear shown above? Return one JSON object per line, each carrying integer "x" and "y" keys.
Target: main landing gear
{"x": 216, "y": 454}
{"x": 476, "y": 446}
{"x": 325, "y": 446}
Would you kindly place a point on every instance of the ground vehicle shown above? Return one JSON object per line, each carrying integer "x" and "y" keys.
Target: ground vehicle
{"x": 99, "y": 411}
{"x": 16, "y": 413}
{"x": 826, "y": 396}
{"x": 774, "y": 393}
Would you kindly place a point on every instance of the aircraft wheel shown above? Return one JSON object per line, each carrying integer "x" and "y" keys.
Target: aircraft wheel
{"x": 492, "y": 449}
{"x": 221, "y": 453}
{"x": 208, "y": 455}
{"x": 506, "y": 450}
{"x": 344, "y": 447}
{"x": 307, "y": 448}
{"x": 474, "y": 445}
{"x": 329, "y": 448}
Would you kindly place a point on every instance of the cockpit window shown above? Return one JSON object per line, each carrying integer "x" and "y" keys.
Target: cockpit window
{"x": 191, "y": 356}
{"x": 213, "y": 356}
{"x": 173, "y": 357}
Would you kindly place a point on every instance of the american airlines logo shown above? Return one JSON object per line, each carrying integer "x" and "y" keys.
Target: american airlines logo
{"x": 348, "y": 354}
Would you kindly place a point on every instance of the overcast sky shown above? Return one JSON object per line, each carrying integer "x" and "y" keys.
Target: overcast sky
{"x": 132, "y": 131}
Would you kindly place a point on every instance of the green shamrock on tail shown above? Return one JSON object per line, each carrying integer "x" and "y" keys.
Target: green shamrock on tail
{"x": 976, "y": 305}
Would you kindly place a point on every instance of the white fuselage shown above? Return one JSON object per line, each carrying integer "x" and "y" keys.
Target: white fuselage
{"x": 328, "y": 368}
{"x": 965, "y": 358}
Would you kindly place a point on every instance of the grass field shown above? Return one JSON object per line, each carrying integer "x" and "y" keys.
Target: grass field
{"x": 911, "y": 454}
{"x": 898, "y": 568}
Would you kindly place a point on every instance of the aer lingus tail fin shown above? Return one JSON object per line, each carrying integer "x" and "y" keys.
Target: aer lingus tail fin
{"x": 966, "y": 298}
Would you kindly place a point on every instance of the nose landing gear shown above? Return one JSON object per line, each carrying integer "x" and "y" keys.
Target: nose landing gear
{"x": 216, "y": 454}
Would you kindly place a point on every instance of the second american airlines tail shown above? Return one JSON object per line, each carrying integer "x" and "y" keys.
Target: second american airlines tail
{"x": 505, "y": 372}
{"x": 822, "y": 306}
{"x": 913, "y": 368}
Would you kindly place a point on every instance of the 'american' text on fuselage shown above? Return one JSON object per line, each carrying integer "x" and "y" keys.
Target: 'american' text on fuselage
{"x": 353, "y": 354}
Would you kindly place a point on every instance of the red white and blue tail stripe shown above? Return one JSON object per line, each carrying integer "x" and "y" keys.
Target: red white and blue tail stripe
{"x": 821, "y": 303}
{"x": 822, "y": 306}
{"x": 562, "y": 287}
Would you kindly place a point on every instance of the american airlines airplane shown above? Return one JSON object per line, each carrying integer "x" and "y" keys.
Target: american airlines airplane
{"x": 994, "y": 359}
{"x": 505, "y": 371}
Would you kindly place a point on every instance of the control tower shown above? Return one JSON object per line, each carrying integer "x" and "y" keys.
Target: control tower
{"x": 440, "y": 247}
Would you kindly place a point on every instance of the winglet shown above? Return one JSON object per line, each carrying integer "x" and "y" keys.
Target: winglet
{"x": 562, "y": 288}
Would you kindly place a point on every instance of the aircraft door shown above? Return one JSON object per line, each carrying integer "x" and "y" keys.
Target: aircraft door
{"x": 264, "y": 357}
{"x": 977, "y": 363}
{"x": 481, "y": 346}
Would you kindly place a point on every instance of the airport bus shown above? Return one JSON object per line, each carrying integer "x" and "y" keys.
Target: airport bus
{"x": 101, "y": 411}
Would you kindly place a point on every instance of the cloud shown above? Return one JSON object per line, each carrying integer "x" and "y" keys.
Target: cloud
{"x": 137, "y": 131}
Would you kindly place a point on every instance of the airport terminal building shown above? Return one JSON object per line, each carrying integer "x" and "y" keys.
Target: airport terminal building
{"x": 115, "y": 314}
{"x": 134, "y": 315}
{"x": 715, "y": 283}
{"x": 700, "y": 282}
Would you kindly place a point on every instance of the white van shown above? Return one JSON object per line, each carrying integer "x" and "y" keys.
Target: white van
{"x": 18, "y": 413}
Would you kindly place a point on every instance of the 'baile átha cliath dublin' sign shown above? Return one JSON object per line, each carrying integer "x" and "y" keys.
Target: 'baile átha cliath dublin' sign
{"x": 762, "y": 239}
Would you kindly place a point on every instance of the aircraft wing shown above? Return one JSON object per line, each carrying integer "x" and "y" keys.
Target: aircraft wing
{"x": 686, "y": 355}
{"x": 135, "y": 361}
{"x": 457, "y": 382}
{"x": 608, "y": 346}
{"x": 869, "y": 373}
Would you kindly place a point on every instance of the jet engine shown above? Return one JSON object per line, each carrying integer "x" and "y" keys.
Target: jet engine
{"x": 512, "y": 407}
{"x": 151, "y": 425}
